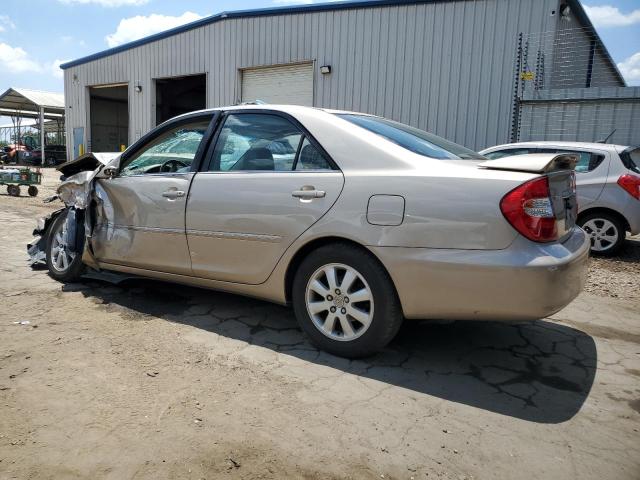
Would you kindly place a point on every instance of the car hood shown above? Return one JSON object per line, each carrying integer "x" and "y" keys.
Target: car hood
{"x": 88, "y": 161}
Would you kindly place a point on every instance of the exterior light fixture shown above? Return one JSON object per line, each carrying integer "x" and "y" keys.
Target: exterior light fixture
{"x": 325, "y": 69}
{"x": 138, "y": 88}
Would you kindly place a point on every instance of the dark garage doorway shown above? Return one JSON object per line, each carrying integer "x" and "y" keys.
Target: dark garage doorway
{"x": 109, "y": 112}
{"x": 178, "y": 95}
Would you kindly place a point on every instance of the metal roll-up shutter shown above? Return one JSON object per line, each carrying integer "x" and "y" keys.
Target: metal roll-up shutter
{"x": 286, "y": 84}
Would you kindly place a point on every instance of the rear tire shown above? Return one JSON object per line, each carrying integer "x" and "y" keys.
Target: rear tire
{"x": 606, "y": 232}
{"x": 64, "y": 266}
{"x": 50, "y": 161}
{"x": 32, "y": 191}
{"x": 345, "y": 301}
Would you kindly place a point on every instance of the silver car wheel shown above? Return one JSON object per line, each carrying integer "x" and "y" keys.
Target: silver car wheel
{"x": 61, "y": 257}
{"x": 602, "y": 232}
{"x": 339, "y": 302}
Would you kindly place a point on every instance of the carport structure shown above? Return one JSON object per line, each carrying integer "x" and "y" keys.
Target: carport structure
{"x": 36, "y": 104}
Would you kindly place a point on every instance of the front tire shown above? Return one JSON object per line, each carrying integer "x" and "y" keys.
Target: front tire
{"x": 64, "y": 265}
{"x": 606, "y": 232}
{"x": 345, "y": 301}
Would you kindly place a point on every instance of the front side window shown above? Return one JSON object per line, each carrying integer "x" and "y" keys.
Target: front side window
{"x": 256, "y": 142}
{"x": 413, "y": 139}
{"x": 172, "y": 151}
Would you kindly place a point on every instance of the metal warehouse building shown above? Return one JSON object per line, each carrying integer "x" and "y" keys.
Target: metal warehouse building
{"x": 463, "y": 69}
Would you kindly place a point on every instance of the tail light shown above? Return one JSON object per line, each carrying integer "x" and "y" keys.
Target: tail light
{"x": 529, "y": 210}
{"x": 631, "y": 184}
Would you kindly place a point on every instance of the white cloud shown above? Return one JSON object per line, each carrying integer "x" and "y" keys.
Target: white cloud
{"x": 54, "y": 68}
{"x": 608, "y": 16}
{"x": 106, "y": 3}
{"x": 69, "y": 39}
{"x": 6, "y": 23}
{"x": 133, "y": 28}
{"x": 630, "y": 69}
{"x": 16, "y": 60}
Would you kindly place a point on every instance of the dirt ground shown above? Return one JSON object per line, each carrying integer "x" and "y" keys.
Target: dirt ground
{"x": 151, "y": 380}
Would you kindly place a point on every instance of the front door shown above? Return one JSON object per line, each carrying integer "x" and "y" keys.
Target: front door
{"x": 266, "y": 182}
{"x": 141, "y": 212}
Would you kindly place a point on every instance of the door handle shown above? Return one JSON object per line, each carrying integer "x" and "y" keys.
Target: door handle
{"x": 172, "y": 194}
{"x": 308, "y": 192}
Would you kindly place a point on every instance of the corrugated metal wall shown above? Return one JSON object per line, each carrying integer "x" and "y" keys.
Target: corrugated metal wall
{"x": 444, "y": 66}
{"x": 582, "y": 115}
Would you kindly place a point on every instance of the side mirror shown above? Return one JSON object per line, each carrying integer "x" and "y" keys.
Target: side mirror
{"x": 110, "y": 172}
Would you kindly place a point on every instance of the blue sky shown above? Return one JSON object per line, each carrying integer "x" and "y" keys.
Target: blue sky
{"x": 36, "y": 35}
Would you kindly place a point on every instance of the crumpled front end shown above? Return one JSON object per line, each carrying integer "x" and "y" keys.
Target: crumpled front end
{"x": 76, "y": 192}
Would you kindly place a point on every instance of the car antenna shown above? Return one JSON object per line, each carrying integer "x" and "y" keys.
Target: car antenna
{"x": 606, "y": 139}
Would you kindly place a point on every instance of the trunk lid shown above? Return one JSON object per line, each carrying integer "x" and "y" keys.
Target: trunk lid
{"x": 562, "y": 191}
{"x": 533, "y": 162}
{"x": 559, "y": 195}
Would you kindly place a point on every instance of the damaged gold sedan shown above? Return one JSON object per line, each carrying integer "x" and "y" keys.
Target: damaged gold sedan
{"x": 355, "y": 220}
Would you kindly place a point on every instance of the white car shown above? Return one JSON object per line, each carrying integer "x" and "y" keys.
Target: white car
{"x": 608, "y": 186}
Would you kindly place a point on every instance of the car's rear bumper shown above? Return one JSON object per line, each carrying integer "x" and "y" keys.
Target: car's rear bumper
{"x": 632, "y": 214}
{"x": 525, "y": 281}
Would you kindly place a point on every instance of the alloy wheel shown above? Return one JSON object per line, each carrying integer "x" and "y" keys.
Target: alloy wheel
{"x": 339, "y": 302}
{"x": 61, "y": 257}
{"x": 602, "y": 233}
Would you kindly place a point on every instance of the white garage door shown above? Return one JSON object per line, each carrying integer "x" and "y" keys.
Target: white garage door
{"x": 287, "y": 84}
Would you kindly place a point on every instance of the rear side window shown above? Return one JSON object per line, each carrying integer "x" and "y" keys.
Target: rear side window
{"x": 413, "y": 139}
{"x": 631, "y": 159}
{"x": 264, "y": 142}
{"x": 311, "y": 158}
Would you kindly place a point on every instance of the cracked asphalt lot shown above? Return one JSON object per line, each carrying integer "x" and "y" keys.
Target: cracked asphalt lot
{"x": 152, "y": 380}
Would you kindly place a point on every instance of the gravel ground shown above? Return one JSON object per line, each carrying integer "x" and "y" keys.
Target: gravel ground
{"x": 617, "y": 277}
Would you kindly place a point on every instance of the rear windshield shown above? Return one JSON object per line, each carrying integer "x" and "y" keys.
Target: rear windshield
{"x": 631, "y": 159}
{"x": 413, "y": 139}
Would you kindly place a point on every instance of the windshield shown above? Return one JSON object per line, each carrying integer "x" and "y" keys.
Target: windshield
{"x": 413, "y": 139}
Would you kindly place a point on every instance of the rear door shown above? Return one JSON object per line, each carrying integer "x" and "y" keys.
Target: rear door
{"x": 266, "y": 182}
{"x": 141, "y": 212}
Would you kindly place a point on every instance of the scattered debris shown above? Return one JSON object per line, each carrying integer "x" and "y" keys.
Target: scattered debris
{"x": 234, "y": 463}
{"x": 152, "y": 374}
{"x": 23, "y": 322}
{"x": 15, "y": 294}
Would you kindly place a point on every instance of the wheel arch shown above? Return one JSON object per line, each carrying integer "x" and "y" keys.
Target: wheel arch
{"x": 604, "y": 210}
{"x": 312, "y": 245}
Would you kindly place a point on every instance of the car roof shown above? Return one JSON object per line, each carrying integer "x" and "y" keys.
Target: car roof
{"x": 291, "y": 109}
{"x": 585, "y": 145}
